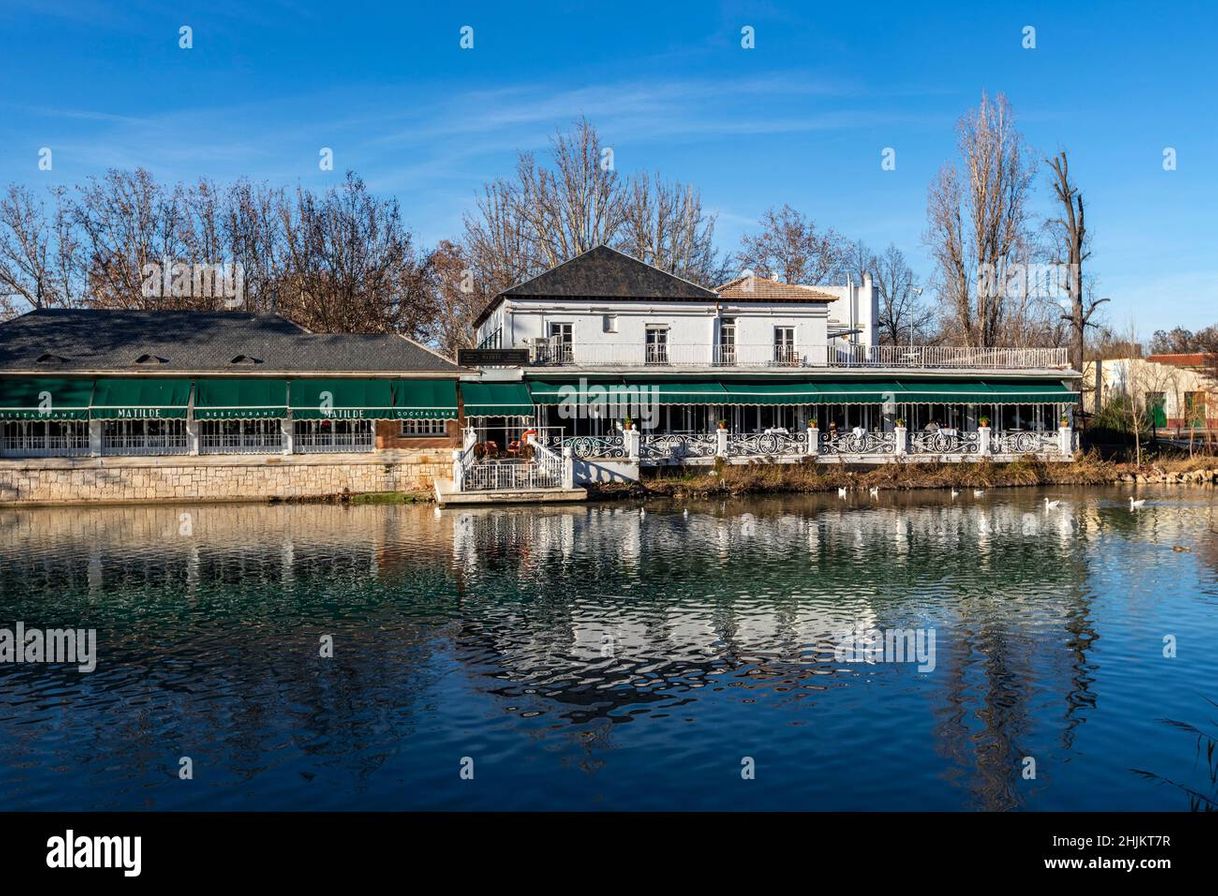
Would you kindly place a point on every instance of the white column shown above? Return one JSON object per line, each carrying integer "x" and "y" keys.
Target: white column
{"x": 1066, "y": 440}
{"x": 813, "y": 441}
{"x": 902, "y": 445}
{"x": 289, "y": 441}
{"x": 568, "y": 468}
{"x": 192, "y": 435}
{"x": 95, "y": 438}
{"x": 633, "y": 439}
{"x": 721, "y": 442}
{"x": 984, "y": 447}
{"x": 457, "y": 469}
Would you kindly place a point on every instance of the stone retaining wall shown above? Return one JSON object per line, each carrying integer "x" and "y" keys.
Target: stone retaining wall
{"x": 109, "y": 480}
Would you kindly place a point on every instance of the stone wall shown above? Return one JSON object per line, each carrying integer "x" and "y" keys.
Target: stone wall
{"x": 112, "y": 480}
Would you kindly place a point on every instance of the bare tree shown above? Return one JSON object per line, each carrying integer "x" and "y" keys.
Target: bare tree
{"x": 1072, "y": 249}
{"x": 903, "y": 315}
{"x": 351, "y": 264}
{"x": 665, "y": 226}
{"x": 38, "y": 254}
{"x": 549, "y": 212}
{"x": 977, "y": 223}
{"x": 457, "y": 302}
{"x": 790, "y": 248}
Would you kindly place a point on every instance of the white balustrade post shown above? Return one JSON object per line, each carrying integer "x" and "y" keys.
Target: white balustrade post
{"x": 95, "y": 438}
{"x": 289, "y": 437}
{"x": 984, "y": 440}
{"x": 813, "y": 441}
{"x": 458, "y": 469}
{"x": 568, "y": 468}
{"x": 634, "y": 441}
{"x": 192, "y": 436}
{"x": 721, "y": 442}
{"x": 1066, "y": 440}
{"x": 902, "y": 445}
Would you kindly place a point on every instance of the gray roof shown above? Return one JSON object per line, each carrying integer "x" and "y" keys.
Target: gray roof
{"x": 152, "y": 342}
{"x": 605, "y": 273}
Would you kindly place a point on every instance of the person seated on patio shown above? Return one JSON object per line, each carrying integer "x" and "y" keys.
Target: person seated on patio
{"x": 932, "y": 426}
{"x": 859, "y": 431}
{"x": 777, "y": 430}
{"x": 490, "y": 448}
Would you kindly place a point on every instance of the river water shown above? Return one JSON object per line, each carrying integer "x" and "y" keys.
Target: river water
{"x": 598, "y": 657}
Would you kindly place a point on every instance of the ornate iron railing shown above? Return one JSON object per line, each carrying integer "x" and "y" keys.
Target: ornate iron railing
{"x": 942, "y": 442}
{"x": 610, "y": 446}
{"x": 767, "y": 444}
{"x": 1016, "y": 441}
{"x": 850, "y": 442}
{"x": 666, "y": 448}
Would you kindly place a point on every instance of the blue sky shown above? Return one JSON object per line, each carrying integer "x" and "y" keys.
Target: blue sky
{"x": 802, "y": 118}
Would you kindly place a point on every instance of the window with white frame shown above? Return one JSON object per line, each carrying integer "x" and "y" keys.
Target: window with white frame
{"x": 656, "y": 344}
{"x": 421, "y": 429}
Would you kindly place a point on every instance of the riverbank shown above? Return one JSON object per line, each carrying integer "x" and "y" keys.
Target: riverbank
{"x": 752, "y": 479}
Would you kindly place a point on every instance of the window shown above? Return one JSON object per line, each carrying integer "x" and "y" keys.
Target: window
{"x": 241, "y": 436}
{"x": 610, "y": 323}
{"x": 418, "y": 429}
{"x": 727, "y": 341}
{"x": 319, "y": 436}
{"x": 144, "y": 437}
{"x": 1194, "y": 410}
{"x": 39, "y": 438}
{"x": 657, "y": 344}
{"x": 784, "y": 347}
{"x": 560, "y": 347}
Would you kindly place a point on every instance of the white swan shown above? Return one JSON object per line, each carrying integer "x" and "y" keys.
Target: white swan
{"x": 1052, "y": 505}
{"x": 874, "y": 491}
{"x": 978, "y": 493}
{"x": 841, "y": 493}
{"x": 955, "y": 493}
{"x": 1136, "y": 505}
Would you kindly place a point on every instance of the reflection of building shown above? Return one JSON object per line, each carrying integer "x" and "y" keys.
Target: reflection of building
{"x": 1178, "y": 392}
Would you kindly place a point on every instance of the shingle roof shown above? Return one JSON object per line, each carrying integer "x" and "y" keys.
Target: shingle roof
{"x": 605, "y": 273}
{"x": 194, "y": 342}
{"x": 761, "y": 289}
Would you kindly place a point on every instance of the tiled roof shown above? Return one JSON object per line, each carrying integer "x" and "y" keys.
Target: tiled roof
{"x": 761, "y": 289}
{"x": 1184, "y": 359}
{"x": 68, "y": 340}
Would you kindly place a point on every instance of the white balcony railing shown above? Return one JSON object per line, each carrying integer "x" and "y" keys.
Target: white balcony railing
{"x": 767, "y": 355}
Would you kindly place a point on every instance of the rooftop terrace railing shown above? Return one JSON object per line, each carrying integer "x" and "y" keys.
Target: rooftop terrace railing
{"x": 768, "y": 356}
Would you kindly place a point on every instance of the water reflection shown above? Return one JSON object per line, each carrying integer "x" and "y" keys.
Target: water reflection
{"x": 596, "y": 655}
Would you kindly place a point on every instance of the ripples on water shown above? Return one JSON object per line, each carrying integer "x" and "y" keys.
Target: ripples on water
{"x": 594, "y": 657}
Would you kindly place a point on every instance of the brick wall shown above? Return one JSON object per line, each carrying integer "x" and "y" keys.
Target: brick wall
{"x": 389, "y": 436}
{"x": 218, "y": 477}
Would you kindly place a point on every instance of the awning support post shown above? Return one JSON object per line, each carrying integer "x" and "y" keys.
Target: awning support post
{"x": 95, "y": 438}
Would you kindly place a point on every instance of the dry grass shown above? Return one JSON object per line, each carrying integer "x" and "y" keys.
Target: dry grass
{"x": 758, "y": 478}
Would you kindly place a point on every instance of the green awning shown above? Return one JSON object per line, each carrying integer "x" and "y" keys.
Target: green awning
{"x": 863, "y": 392}
{"x": 497, "y": 400}
{"x": 342, "y": 399}
{"x": 240, "y": 399}
{"x": 140, "y": 399}
{"x": 626, "y": 393}
{"x": 984, "y": 392}
{"x": 425, "y": 400}
{"x": 779, "y": 393}
{"x": 45, "y": 398}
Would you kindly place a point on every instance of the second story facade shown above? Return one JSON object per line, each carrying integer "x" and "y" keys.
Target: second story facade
{"x": 605, "y": 310}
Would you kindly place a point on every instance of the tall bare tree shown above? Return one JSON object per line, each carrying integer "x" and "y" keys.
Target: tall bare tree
{"x": 1072, "y": 248}
{"x": 978, "y": 224}
{"x": 456, "y": 299}
{"x": 665, "y": 226}
{"x": 789, "y": 247}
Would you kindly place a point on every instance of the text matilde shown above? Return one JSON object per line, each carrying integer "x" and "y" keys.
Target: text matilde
{"x": 53, "y": 645}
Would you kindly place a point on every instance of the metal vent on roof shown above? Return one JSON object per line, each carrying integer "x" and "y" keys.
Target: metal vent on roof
{"x": 245, "y": 359}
